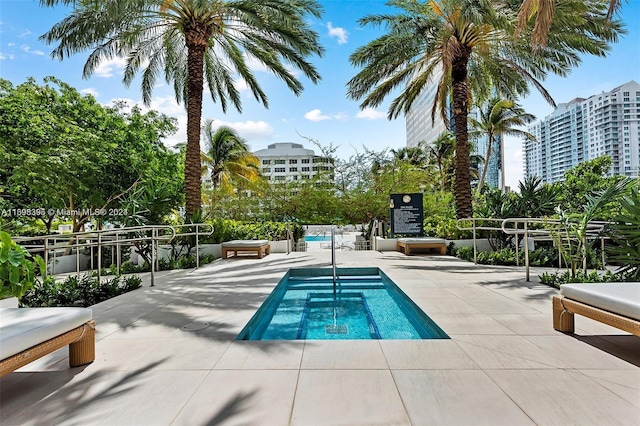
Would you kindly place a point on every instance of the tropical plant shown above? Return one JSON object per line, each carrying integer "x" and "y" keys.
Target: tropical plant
{"x": 192, "y": 42}
{"x": 535, "y": 198}
{"x": 498, "y": 118}
{"x": 227, "y": 158}
{"x": 576, "y": 228}
{"x": 468, "y": 47}
{"x": 626, "y": 237}
{"x": 17, "y": 270}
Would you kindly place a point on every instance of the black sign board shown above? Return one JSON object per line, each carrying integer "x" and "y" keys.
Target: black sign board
{"x": 407, "y": 214}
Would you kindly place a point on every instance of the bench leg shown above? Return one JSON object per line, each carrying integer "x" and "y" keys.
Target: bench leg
{"x": 260, "y": 253}
{"x": 443, "y": 250}
{"x": 84, "y": 350}
{"x": 563, "y": 320}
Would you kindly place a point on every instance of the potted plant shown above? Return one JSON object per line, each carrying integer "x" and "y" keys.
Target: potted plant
{"x": 17, "y": 269}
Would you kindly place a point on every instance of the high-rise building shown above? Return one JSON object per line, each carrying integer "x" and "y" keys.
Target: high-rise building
{"x": 584, "y": 129}
{"x": 287, "y": 161}
{"x": 419, "y": 126}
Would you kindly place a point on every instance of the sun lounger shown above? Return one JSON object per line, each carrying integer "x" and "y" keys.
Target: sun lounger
{"x": 614, "y": 304}
{"x": 406, "y": 245}
{"x": 27, "y": 334}
{"x": 259, "y": 247}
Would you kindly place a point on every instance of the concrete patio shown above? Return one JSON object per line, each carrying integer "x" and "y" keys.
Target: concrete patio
{"x": 158, "y": 363}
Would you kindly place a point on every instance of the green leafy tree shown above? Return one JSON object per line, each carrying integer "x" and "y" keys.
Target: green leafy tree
{"x": 192, "y": 42}
{"x": 64, "y": 151}
{"x": 228, "y": 159}
{"x": 499, "y": 117}
{"x": 469, "y": 48}
{"x": 587, "y": 179}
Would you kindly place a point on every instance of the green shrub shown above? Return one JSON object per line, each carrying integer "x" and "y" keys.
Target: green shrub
{"x": 73, "y": 291}
{"x": 558, "y": 278}
{"x": 17, "y": 270}
{"x": 227, "y": 230}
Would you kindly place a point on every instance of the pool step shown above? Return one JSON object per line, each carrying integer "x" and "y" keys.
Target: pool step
{"x": 341, "y": 278}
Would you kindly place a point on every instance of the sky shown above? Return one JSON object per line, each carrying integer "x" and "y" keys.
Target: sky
{"x": 322, "y": 112}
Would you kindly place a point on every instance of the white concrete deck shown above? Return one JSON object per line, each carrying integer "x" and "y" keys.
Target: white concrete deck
{"x": 504, "y": 363}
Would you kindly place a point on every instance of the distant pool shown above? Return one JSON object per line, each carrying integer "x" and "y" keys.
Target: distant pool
{"x": 365, "y": 305}
{"x": 309, "y": 238}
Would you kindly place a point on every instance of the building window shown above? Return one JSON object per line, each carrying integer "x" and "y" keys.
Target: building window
{"x": 305, "y": 161}
{"x": 278, "y": 162}
{"x": 280, "y": 169}
{"x": 279, "y": 177}
{"x": 266, "y": 161}
{"x": 293, "y": 161}
{"x": 293, "y": 169}
{"x": 305, "y": 169}
{"x": 266, "y": 169}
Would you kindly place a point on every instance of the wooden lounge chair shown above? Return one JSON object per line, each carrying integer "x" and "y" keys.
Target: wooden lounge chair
{"x": 259, "y": 247}
{"x": 407, "y": 245}
{"x": 27, "y": 334}
{"x": 614, "y": 304}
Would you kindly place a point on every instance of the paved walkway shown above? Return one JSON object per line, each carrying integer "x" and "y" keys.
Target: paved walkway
{"x": 504, "y": 363}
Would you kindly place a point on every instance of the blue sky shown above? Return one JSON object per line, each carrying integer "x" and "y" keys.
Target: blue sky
{"x": 322, "y": 112}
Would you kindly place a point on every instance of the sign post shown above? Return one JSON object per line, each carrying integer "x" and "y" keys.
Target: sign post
{"x": 407, "y": 214}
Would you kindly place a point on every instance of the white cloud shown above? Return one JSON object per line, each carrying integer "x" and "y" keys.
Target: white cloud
{"x": 317, "y": 115}
{"x": 90, "y": 91}
{"x": 25, "y": 33}
{"x": 11, "y": 44}
{"x": 371, "y": 114}
{"x": 337, "y": 32}
{"x": 107, "y": 68}
{"x": 27, "y": 49}
{"x": 249, "y": 130}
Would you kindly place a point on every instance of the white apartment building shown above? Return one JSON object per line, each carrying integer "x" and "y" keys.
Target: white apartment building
{"x": 286, "y": 161}
{"x": 584, "y": 129}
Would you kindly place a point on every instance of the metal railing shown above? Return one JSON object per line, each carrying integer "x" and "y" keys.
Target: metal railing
{"x": 544, "y": 230}
{"x": 49, "y": 246}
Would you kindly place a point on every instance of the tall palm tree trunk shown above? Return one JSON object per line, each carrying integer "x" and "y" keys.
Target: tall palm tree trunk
{"x": 462, "y": 186}
{"x": 193, "y": 166}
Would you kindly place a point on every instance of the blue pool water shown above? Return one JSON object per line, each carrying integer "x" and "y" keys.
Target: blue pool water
{"x": 309, "y": 238}
{"x": 366, "y": 305}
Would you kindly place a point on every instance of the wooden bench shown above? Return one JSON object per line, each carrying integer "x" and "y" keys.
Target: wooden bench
{"x": 614, "y": 304}
{"x": 406, "y": 245}
{"x": 27, "y": 334}
{"x": 259, "y": 247}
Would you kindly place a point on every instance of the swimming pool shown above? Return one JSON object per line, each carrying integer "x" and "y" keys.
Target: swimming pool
{"x": 366, "y": 304}
{"x": 311, "y": 238}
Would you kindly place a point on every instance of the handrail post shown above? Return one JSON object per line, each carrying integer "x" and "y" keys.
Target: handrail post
{"x": 99, "y": 255}
{"x": 46, "y": 256}
{"x": 153, "y": 249}
{"x": 197, "y": 249}
{"x": 475, "y": 248}
{"x": 118, "y": 253}
{"x": 53, "y": 262}
{"x": 77, "y": 256}
{"x": 526, "y": 249}
{"x": 604, "y": 261}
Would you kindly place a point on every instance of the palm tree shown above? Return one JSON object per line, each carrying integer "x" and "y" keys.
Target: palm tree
{"x": 542, "y": 11}
{"x": 192, "y": 42}
{"x": 470, "y": 44}
{"x": 228, "y": 158}
{"x": 414, "y": 156}
{"x": 440, "y": 151}
{"x": 499, "y": 117}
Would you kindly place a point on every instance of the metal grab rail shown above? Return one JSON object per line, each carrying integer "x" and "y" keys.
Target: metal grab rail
{"x": 593, "y": 230}
{"x": 111, "y": 237}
